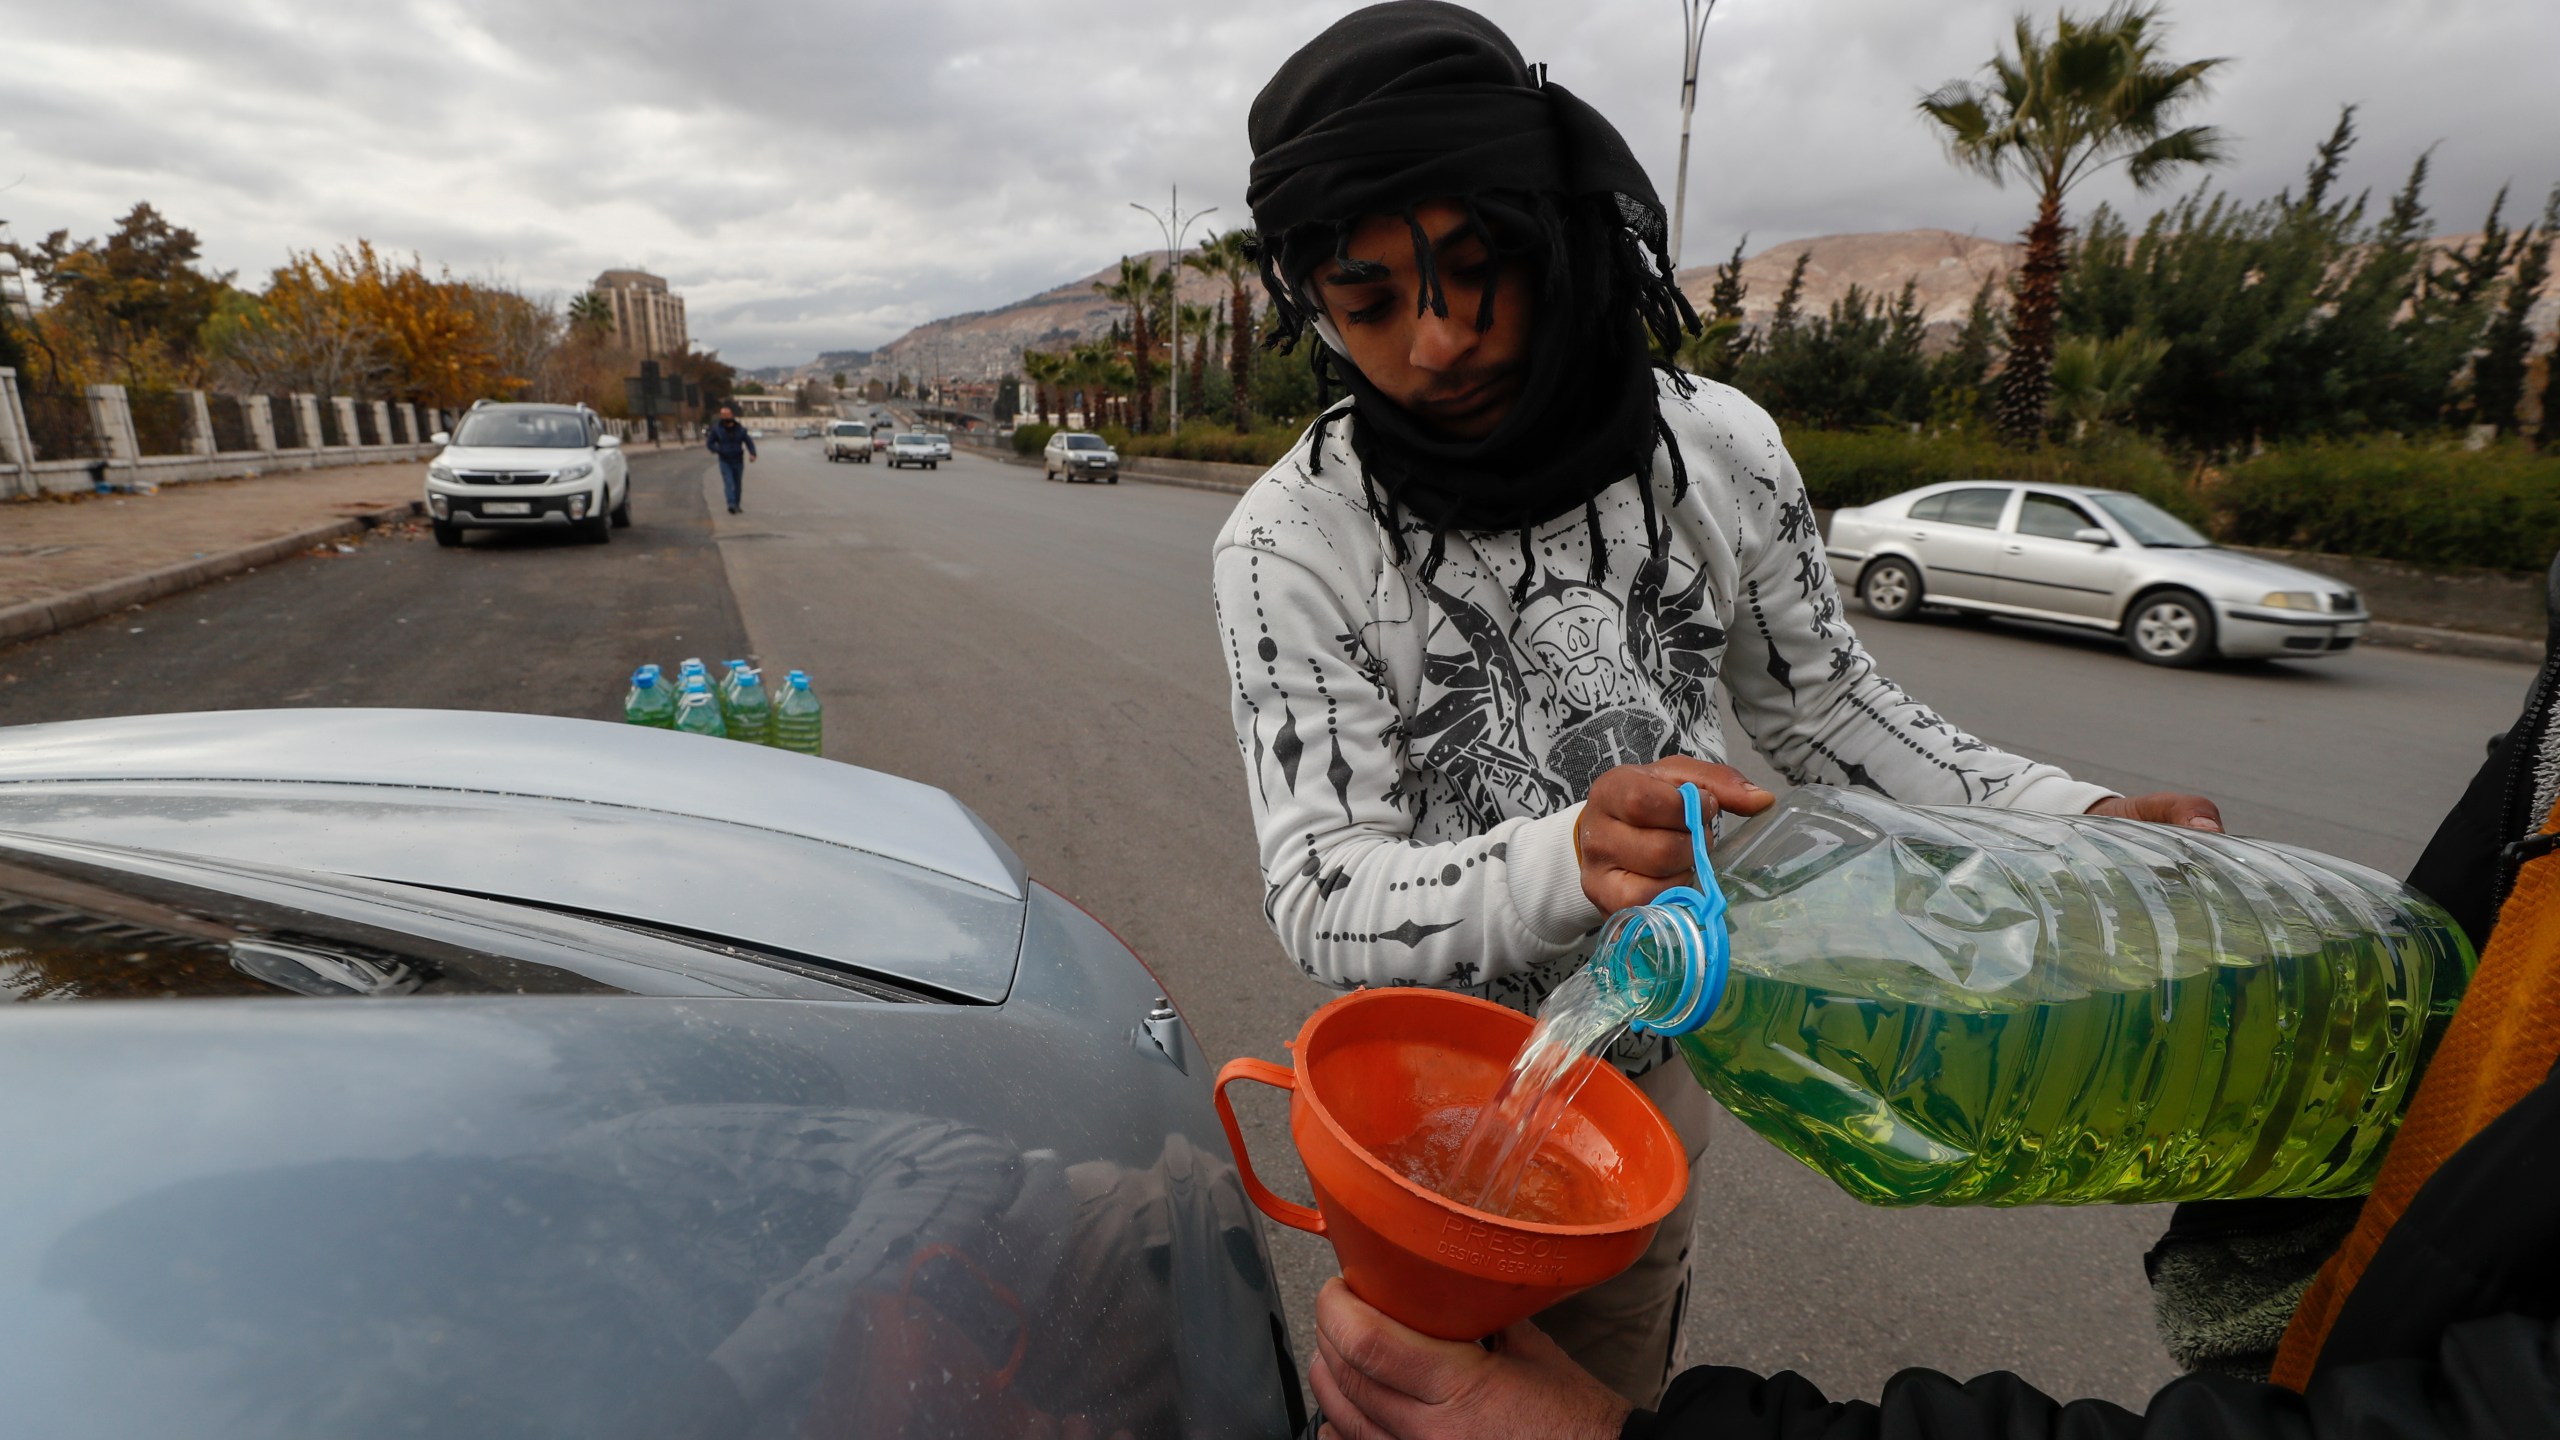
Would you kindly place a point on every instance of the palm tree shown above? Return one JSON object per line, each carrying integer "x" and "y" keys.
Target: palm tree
{"x": 2062, "y": 108}
{"x": 2094, "y": 380}
{"x": 592, "y": 313}
{"x": 1229, "y": 256}
{"x": 1146, "y": 293}
{"x": 1044, "y": 369}
{"x": 1197, "y": 322}
{"x": 1089, "y": 369}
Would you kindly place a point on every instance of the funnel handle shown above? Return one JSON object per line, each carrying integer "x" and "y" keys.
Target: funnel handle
{"x": 1278, "y": 1077}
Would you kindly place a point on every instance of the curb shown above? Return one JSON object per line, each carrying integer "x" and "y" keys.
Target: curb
{"x": 2469, "y": 643}
{"x": 37, "y": 618}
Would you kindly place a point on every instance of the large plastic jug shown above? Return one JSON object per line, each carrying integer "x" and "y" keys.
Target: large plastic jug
{"x": 798, "y": 719}
{"x": 649, "y": 701}
{"x": 698, "y": 710}
{"x": 1951, "y": 1006}
{"x": 750, "y": 716}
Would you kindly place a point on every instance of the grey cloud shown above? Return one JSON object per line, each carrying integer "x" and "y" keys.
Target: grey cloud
{"x": 824, "y": 175}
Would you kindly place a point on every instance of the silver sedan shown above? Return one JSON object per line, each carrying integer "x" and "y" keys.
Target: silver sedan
{"x": 2097, "y": 559}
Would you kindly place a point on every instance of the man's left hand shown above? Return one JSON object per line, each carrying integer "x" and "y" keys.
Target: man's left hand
{"x": 1377, "y": 1380}
{"x": 2194, "y": 812}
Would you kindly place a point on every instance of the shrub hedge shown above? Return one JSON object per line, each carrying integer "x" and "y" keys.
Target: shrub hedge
{"x": 1856, "y": 467}
{"x": 1220, "y": 443}
{"x": 2426, "y": 504}
{"x": 1032, "y": 439}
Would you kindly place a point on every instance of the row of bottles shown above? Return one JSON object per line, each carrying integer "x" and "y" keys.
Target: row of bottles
{"x": 738, "y": 707}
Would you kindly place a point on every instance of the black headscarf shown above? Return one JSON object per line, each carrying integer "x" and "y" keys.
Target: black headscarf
{"x": 1417, "y": 100}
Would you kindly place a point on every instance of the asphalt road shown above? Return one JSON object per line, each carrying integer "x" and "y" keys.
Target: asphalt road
{"x": 1046, "y": 653}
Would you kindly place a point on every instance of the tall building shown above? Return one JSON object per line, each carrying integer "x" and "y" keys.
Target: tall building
{"x": 648, "y": 318}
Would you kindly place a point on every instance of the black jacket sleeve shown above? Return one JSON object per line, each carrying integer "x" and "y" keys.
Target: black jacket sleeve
{"x": 2493, "y": 1379}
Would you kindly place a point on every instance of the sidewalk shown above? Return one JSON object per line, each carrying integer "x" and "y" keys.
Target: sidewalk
{"x": 63, "y": 561}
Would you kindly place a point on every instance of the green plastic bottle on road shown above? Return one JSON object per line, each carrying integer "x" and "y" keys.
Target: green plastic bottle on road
{"x": 649, "y": 702}
{"x": 698, "y": 711}
{"x": 750, "y": 716}
{"x": 797, "y": 716}
{"x": 1962, "y": 1006}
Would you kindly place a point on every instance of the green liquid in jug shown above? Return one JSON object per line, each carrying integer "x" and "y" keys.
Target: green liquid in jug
{"x": 2285, "y": 1075}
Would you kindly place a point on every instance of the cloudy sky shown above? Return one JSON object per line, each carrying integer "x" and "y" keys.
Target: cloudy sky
{"x": 825, "y": 175}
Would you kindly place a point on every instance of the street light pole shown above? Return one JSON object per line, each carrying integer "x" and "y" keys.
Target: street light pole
{"x": 1174, "y": 223}
{"x": 1693, "y": 15}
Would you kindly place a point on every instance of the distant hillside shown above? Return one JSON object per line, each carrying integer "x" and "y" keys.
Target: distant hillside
{"x": 1948, "y": 267}
{"x": 991, "y": 342}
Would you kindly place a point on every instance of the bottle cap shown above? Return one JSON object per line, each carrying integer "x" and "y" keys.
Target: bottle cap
{"x": 693, "y": 683}
{"x": 799, "y": 679}
{"x": 644, "y": 679}
{"x": 1695, "y": 915}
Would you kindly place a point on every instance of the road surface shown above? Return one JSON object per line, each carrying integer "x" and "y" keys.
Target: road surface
{"x": 1046, "y": 652}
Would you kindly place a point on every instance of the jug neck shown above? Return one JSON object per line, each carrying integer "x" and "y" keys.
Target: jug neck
{"x": 1671, "y": 956}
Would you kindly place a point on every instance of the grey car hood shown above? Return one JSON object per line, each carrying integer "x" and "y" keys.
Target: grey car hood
{"x": 781, "y": 851}
{"x": 2245, "y": 576}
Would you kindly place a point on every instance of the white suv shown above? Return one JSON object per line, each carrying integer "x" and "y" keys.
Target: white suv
{"x": 516, "y": 465}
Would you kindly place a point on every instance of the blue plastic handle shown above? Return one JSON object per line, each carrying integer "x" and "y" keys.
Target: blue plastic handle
{"x": 1698, "y": 914}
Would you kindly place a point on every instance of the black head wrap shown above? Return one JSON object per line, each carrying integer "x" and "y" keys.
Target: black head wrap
{"x": 1416, "y": 100}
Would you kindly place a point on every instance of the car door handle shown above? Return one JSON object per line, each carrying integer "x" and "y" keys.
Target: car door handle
{"x": 2016, "y": 550}
{"x": 1919, "y": 534}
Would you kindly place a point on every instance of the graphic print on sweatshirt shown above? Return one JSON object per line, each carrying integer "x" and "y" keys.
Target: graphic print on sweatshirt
{"x": 1415, "y": 743}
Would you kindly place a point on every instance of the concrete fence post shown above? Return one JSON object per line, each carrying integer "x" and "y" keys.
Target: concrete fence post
{"x": 200, "y": 424}
{"x": 259, "y": 412}
{"x": 382, "y": 423}
{"x": 409, "y": 424}
{"x": 111, "y": 420}
{"x": 306, "y": 409}
{"x": 347, "y": 432}
{"x": 17, "y": 447}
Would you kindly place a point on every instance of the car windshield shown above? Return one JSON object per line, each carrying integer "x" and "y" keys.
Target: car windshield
{"x": 2150, "y": 525}
{"x": 524, "y": 429}
{"x": 913, "y": 440}
{"x": 86, "y": 933}
{"x": 851, "y": 430}
{"x": 1084, "y": 442}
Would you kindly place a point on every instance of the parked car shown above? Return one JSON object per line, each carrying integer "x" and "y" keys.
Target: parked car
{"x": 881, "y": 433}
{"x": 2098, "y": 559}
{"x": 1078, "y": 455}
{"x": 528, "y": 465}
{"x": 445, "y": 1074}
{"x": 913, "y": 449}
{"x": 941, "y": 444}
{"x": 849, "y": 440}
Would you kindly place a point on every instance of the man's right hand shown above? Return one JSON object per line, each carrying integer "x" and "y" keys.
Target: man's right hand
{"x": 1633, "y": 840}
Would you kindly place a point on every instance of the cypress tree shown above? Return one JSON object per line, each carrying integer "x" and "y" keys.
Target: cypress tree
{"x": 2506, "y": 346}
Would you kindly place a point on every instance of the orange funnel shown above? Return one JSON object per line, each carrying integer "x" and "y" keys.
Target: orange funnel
{"x": 1373, "y": 1066}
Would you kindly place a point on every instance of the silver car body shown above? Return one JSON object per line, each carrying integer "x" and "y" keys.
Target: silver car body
{"x": 941, "y": 444}
{"x": 877, "y": 1136}
{"x": 912, "y": 449}
{"x": 2015, "y": 565}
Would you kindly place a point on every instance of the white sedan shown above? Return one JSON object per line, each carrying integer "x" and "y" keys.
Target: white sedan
{"x": 914, "y": 450}
{"x": 2097, "y": 559}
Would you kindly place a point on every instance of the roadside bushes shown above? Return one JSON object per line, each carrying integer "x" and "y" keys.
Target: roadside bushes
{"x": 2425, "y": 504}
{"x": 1032, "y": 439}
{"x": 1856, "y": 467}
{"x": 1263, "y": 446}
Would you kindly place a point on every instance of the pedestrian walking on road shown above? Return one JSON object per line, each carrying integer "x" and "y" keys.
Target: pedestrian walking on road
{"x": 1477, "y": 619}
{"x": 734, "y": 445}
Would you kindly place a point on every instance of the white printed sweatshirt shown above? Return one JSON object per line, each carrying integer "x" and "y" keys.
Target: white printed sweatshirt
{"x": 1417, "y": 751}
